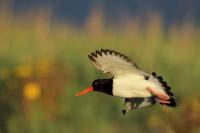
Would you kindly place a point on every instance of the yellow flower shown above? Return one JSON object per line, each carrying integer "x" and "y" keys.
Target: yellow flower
{"x": 32, "y": 91}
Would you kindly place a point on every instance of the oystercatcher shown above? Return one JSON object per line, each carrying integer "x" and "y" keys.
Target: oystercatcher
{"x": 137, "y": 87}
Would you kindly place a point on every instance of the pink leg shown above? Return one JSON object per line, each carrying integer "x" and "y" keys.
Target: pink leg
{"x": 162, "y": 101}
{"x": 159, "y": 95}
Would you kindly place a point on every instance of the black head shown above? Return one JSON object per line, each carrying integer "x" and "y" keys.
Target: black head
{"x": 103, "y": 85}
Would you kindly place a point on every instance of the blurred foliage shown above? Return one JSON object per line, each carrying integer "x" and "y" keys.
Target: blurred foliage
{"x": 44, "y": 62}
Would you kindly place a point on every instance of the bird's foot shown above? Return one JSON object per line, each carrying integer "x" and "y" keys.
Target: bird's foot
{"x": 162, "y": 101}
{"x": 162, "y": 97}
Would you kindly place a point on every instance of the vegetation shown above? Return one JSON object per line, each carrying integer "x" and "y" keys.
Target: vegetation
{"x": 43, "y": 63}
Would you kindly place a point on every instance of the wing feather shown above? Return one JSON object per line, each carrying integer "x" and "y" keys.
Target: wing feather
{"x": 109, "y": 61}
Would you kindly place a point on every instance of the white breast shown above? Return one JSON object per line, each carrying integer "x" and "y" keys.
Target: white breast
{"x": 129, "y": 86}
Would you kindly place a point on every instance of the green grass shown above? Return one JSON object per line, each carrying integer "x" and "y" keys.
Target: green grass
{"x": 54, "y": 56}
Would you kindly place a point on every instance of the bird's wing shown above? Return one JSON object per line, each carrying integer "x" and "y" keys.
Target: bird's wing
{"x": 109, "y": 61}
{"x": 137, "y": 102}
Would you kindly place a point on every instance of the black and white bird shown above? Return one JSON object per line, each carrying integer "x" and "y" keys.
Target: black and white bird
{"x": 137, "y": 87}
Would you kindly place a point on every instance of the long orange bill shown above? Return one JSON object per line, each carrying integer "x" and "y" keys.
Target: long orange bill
{"x": 85, "y": 91}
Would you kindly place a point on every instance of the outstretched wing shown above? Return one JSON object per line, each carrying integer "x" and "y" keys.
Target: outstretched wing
{"x": 109, "y": 61}
{"x": 137, "y": 102}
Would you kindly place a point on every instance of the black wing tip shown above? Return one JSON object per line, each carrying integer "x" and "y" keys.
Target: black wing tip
{"x": 91, "y": 57}
{"x": 94, "y": 54}
{"x": 153, "y": 74}
{"x": 98, "y": 53}
{"x": 123, "y": 111}
{"x": 164, "y": 84}
{"x": 167, "y": 90}
{"x": 172, "y": 103}
{"x": 160, "y": 79}
{"x": 111, "y": 52}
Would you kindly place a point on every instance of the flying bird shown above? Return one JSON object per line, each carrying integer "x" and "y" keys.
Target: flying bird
{"x": 137, "y": 87}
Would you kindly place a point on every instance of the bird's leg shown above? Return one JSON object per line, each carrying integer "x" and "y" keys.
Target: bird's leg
{"x": 161, "y": 96}
{"x": 162, "y": 101}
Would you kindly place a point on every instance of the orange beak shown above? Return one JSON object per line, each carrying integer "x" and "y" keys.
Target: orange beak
{"x": 85, "y": 91}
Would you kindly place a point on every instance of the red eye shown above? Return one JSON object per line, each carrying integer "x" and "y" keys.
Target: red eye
{"x": 96, "y": 83}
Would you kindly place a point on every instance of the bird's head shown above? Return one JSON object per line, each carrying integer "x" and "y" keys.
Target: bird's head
{"x": 101, "y": 85}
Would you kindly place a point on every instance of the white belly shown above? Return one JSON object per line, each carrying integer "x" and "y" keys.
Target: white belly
{"x": 133, "y": 86}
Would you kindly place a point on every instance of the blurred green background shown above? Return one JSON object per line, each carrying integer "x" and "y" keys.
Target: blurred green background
{"x": 43, "y": 63}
